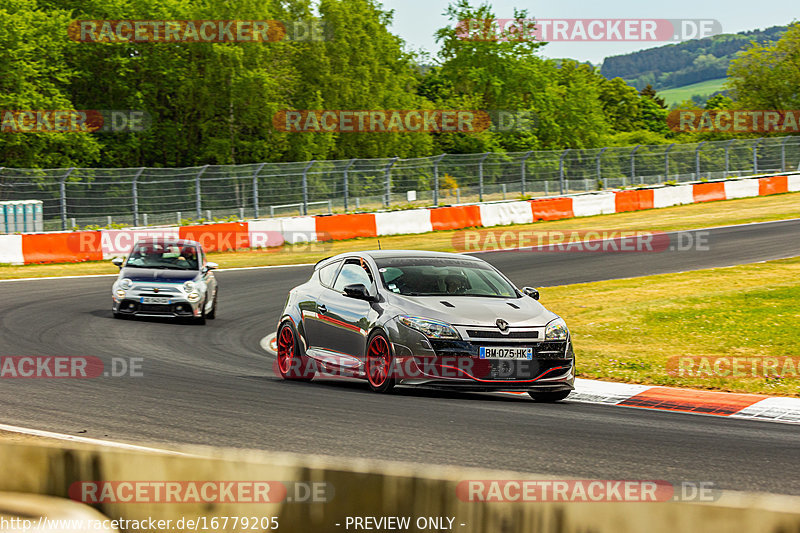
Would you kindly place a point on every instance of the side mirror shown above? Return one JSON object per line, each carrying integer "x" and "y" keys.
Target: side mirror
{"x": 530, "y": 291}
{"x": 358, "y": 291}
{"x": 117, "y": 262}
{"x": 211, "y": 266}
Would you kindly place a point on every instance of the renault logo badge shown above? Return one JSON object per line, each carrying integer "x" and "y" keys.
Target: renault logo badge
{"x": 502, "y": 324}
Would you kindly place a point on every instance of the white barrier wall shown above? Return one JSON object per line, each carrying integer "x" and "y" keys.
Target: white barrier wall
{"x": 506, "y": 213}
{"x": 794, "y": 182}
{"x": 400, "y": 222}
{"x": 587, "y": 205}
{"x": 669, "y": 196}
{"x": 299, "y": 229}
{"x": 741, "y": 189}
{"x": 266, "y": 233}
{"x": 11, "y": 249}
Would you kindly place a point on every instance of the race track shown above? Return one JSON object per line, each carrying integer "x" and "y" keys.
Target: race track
{"x": 214, "y": 385}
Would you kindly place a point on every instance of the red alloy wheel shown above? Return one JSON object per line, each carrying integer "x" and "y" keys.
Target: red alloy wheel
{"x": 286, "y": 350}
{"x": 379, "y": 361}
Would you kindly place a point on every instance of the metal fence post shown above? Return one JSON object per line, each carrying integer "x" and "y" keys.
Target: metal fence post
{"x": 561, "y": 171}
{"x": 633, "y": 162}
{"x": 436, "y": 179}
{"x": 597, "y": 163}
{"x": 783, "y": 154}
{"x": 666, "y": 162}
{"x": 388, "y": 181}
{"x": 755, "y": 155}
{"x": 136, "y": 197}
{"x": 305, "y": 186}
{"x": 697, "y": 161}
{"x": 346, "y": 184}
{"x": 198, "y": 200}
{"x": 255, "y": 189}
{"x": 522, "y": 172}
{"x": 480, "y": 176}
{"x": 727, "y": 157}
{"x": 63, "y": 192}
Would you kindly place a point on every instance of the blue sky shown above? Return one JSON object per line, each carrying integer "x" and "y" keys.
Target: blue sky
{"x": 416, "y": 20}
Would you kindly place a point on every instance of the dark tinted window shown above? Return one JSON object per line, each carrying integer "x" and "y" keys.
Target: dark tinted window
{"x": 164, "y": 255}
{"x": 434, "y": 276}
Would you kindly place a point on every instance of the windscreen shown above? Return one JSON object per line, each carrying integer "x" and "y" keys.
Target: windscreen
{"x": 163, "y": 256}
{"x": 443, "y": 277}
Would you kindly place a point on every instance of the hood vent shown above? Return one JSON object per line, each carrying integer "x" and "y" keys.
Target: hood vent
{"x": 447, "y": 304}
{"x": 515, "y": 306}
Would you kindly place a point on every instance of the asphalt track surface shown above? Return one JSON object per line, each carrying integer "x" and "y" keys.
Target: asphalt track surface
{"x": 214, "y": 385}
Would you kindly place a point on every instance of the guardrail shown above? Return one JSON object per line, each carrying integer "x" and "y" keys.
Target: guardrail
{"x": 104, "y": 244}
{"x": 312, "y": 493}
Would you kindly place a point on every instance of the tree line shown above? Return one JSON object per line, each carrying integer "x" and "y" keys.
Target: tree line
{"x": 213, "y": 103}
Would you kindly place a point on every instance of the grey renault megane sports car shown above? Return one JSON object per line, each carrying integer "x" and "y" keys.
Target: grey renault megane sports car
{"x": 165, "y": 278}
{"x": 423, "y": 318}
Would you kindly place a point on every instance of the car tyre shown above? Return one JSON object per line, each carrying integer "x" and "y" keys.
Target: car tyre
{"x": 549, "y": 396}
{"x": 213, "y": 314}
{"x": 292, "y": 364}
{"x": 201, "y": 320}
{"x": 379, "y": 363}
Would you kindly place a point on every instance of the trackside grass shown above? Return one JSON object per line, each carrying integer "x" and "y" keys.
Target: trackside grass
{"x": 626, "y": 330}
{"x": 693, "y": 216}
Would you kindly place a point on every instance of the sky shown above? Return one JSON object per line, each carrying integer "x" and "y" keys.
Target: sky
{"x": 416, "y": 20}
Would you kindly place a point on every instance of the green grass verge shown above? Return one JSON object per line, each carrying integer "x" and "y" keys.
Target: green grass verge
{"x": 626, "y": 330}
{"x": 677, "y": 95}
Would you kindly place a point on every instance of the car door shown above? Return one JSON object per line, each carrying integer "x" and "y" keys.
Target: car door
{"x": 209, "y": 278}
{"x": 345, "y": 321}
{"x": 313, "y": 320}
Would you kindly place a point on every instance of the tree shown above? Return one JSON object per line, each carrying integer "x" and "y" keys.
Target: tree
{"x": 767, "y": 76}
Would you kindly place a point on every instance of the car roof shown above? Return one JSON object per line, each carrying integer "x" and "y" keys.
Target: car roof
{"x": 386, "y": 254}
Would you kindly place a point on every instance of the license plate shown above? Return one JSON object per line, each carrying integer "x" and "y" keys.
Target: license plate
{"x": 154, "y": 300}
{"x": 502, "y": 352}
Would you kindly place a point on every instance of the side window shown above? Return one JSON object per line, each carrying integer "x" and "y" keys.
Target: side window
{"x": 352, "y": 272}
{"x": 327, "y": 273}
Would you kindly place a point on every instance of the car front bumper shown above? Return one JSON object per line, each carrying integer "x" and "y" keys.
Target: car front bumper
{"x": 456, "y": 364}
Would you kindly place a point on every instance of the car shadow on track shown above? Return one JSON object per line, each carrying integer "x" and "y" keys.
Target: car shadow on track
{"x": 359, "y": 386}
{"x": 151, "y": 319}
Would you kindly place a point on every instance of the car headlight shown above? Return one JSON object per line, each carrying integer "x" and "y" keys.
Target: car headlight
{"x": 125, "y": 284}
{"x": 120, "y": 293}
{"x": 556, "y": 330}
{"x": 193, "y": 296}
{"x": 189, "y": 286}
{"x": 430, "y": 328}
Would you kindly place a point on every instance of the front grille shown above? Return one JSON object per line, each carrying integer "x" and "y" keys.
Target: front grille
{"x": 541, "y": 350}
{"x": 489, "y": 334}
{"x": 155, "y": 308}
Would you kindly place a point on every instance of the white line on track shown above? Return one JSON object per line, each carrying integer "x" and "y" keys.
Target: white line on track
{"x": 85, "y": 440}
